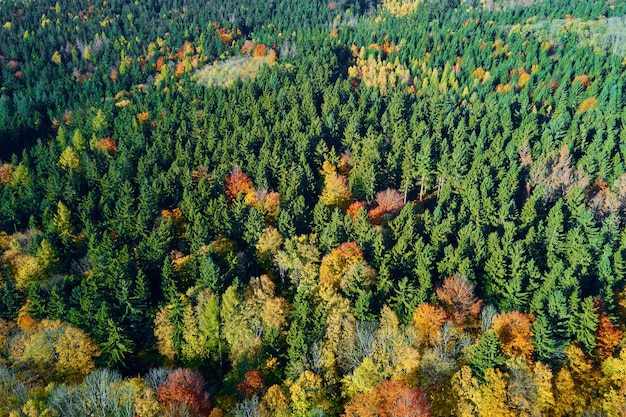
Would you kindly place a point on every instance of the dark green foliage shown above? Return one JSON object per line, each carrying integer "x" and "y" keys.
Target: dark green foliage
{"x": 486, "y": 354}
{"x": 514, "y": 179}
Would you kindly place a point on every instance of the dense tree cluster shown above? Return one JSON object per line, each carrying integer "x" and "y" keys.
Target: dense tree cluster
{"x": 415, "y": 208}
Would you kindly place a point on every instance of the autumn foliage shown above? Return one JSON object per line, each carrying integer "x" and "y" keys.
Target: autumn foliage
{"x": 343, "y": 265}
{"x": 251, "y": 384}
{"x": 107, "y": 145}
{"x": 514, "y": 331}
{"x": 354, "y": 208}
{"x": 6, "y": 172}
{"x": 238, "y": 183}
{"x": 184, "y": 387}
{"x": 608, "y": 336}
{"x": 428, "y": 319}
{"x": 336, "y": 192}
{"x": 457, "y": 296}
{"x": 587, "y": 104}
{"x": 389, "y": 399}
{"x": 389, "y": 201}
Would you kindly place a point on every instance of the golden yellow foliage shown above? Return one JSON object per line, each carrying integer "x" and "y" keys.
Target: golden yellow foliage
{"x": 56, "y": 58}
{"x": 343, "y": 265}
{"x": 493, "y": 396}
{"x": 587, "y": 104}
{"x": 164, "y": 331}
{"x": 336, "y": 192}
{"x": 307, "y": 392}
{"x": 69, "y": 159}
{"x": 122, "y": 103}
{"x": 269, "y": 244}
{"x": 274, "y": 402}
{"x": 379, "y": 73}
{"x": 146, "y": 404}
{"x": 514, "y": 331}
{"x": 143, "y": 117}
{"x": 401, "y": 8}
{"x": 428, "y": 319}
{"x": 480, "y": 74}
{"x": 543, "y": 381}
{"x": 523, "y": 79}
{"x": 53, "y": 348}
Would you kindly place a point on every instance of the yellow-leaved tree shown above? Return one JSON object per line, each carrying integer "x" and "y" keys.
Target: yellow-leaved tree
{"x": 336, "y": 192}
{"x": 55, "y": 350}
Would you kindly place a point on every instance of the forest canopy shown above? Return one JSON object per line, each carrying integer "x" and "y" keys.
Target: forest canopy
{"x": 285, "y": 208}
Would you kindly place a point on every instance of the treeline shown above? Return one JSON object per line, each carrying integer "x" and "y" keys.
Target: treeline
{"x": 407, "y": 214}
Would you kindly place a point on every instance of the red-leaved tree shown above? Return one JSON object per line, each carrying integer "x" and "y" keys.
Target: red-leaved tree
{"x": 183, "y": 388}
{"x": 389, "y": 201}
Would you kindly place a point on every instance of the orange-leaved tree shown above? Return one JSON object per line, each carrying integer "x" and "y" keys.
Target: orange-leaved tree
{"x": 428, "y": 319}
{"x": 237, "y": 183}
{"x": 514, "y": 331}
{"x": 184, "y": 388}
{"x": 344, "y": 266}
{"x": 389, "y": 201}
{"x": 389, "y": 399}
{"x": 458, "y": 299}
{"x": 251, "y": 384}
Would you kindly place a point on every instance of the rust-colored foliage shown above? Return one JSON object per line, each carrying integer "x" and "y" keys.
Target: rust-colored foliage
{"x": 184, "y": 387}
{"x": 24, "y": 320}
{"x": 428, "y": 319}
{"x": 107, "y": 145}
{"x": 225, "y": 36}
{"x": 180, "y": 69}
{"x": 236, "y": 183}
{"x": 270, "y": 203}
{"x": 390, "y": 399}
{"x": 113, "y": 74}
{"x": 354, "y": 208}
{"x": 602, "y": 201}
{"x": 159, "y": 63}
{"x": 216, "y": 412}
{"x": 608, "y": 336}
{"x": 554, "y": 85}
{"x": 583, "y": 79}
{"x": 457, "y": 65}
{"x": 259, "y": 50}
{"x": 389, "y": 201}
{"x": 251, "y": 384}
{"x": 457, "y": 296}
{"x": 6, "y": 173}
{"x": 514, "y": 331}
{"x": 345, "y": 163}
